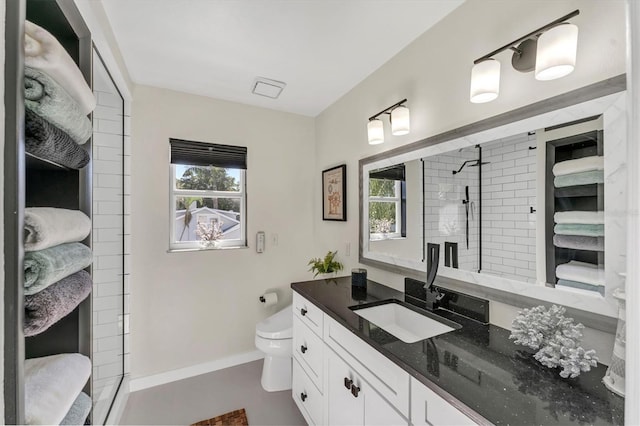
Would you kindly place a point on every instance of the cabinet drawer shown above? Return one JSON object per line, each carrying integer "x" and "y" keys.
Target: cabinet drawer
{"x": 308, "y": 348}
{"x": 303, "y": 387}
{"x": 429, "y": 408}
{"x": 310, "y": 314}
{"x": 391, "y": 381}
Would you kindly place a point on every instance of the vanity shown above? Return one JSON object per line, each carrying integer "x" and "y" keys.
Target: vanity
{"x": 347, "y": 370}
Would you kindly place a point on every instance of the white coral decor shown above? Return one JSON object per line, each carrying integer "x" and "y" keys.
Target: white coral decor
{"x": 556, "y": 338}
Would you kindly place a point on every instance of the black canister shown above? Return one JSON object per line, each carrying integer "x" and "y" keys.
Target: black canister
{"x": 359, "y": 278}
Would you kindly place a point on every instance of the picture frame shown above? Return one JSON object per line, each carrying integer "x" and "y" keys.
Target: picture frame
{"x": 334, "y": 193}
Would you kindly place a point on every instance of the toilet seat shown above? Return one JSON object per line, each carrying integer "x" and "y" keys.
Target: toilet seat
{"x": 277, "y": 326}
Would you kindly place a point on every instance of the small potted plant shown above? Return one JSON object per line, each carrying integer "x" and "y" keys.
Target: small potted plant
{"x": 209, "y": 234}
{"x": 328, "y": 265}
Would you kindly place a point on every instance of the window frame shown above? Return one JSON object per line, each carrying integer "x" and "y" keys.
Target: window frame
{"x": 175, "y": 193}
{"x": 400, "y": 201}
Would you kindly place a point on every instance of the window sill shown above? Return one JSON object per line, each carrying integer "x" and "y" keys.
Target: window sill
{"x": 183, "y": 250}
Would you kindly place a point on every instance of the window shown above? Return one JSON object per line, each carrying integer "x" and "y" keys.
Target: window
{"x": 208, "y": 195}
{"x": 387, "y": 203}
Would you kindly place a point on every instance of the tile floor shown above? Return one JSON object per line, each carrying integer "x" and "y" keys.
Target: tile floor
{"x": 198, "y": 398}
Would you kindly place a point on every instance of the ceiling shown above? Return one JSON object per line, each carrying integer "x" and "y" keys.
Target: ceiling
{"x": 320, "y": 48}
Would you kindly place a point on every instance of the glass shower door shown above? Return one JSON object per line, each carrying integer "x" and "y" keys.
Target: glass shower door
{"x": 108, "y": 241}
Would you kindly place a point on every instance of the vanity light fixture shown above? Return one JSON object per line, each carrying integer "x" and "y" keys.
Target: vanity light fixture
{"x": 399, "y": 118}
{"x": 550, "y": 51}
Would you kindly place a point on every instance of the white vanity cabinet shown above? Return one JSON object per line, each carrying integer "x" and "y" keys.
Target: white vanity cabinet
{"x": 339, "y": 379}
{"x": 308, "y": 360}
{"x": 428, "y": 408}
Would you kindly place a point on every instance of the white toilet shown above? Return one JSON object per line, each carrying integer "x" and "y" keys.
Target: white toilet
{"x": 274, "y": 337}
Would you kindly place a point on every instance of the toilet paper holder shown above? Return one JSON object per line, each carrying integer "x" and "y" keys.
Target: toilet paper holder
{"x": 269, "y": 299}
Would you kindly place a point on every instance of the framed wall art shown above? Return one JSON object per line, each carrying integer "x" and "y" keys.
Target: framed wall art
{"x": 334, "y": 193}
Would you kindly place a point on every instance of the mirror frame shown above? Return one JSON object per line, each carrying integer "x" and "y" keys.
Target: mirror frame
{"x": 595, "y": 99}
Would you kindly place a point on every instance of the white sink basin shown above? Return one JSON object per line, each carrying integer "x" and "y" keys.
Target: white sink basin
{"x": 404, "y": 323}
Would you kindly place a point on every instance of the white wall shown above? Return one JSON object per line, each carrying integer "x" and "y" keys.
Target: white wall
{"x": 195, "y": 307}
{"x": 433, "y": 74}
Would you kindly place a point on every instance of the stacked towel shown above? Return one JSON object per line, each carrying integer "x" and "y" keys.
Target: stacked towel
{"x": 43, "y": 52}
{"x": 575, "y": 285}
{"x": 46, "y": 98}
{"x": 79, "y": 411}
{"x": 581, "y": 217}
{"x": 585, "y": 164}
{"x": 45, "y": 267}
{"x": 579, "y": 242}
{"x": 46, "y": 227}
{"x": 582, "y": 178}
{"x": 46, "y": 141}
{"x": 51, "y": 385}
{"x": 579, "y": 229}
{"x": 55, "y": 302}
{"x": 581, "y": 272}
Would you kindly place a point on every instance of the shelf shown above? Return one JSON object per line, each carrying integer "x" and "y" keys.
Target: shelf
{"x": 575, "y": 249}
{"x": 577, "y": 191}
{"x": 37, "y": 163}
{"x": 589, "y": 197}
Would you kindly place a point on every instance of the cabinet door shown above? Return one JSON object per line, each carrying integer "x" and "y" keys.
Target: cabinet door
{"x": 378, "y": 412}
{"x": 344, "y": 407}
{"x": 362, "y": 407}
{"x": 428, "y": 408}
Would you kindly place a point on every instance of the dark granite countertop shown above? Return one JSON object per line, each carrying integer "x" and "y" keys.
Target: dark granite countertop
{"x": 476, "y": 368}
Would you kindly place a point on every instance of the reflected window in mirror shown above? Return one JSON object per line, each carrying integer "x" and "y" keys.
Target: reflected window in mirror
{"x": 388, "y": 203}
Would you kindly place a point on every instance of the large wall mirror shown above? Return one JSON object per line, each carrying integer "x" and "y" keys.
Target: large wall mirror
{"x": 520, "y": 205}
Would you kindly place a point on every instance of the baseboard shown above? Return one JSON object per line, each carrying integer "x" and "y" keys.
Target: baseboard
{"x": 194, "y": 370}
{"x": 120, "y": 401}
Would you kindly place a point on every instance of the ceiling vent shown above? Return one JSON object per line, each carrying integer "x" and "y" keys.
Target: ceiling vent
{"x": 268, "y": 88}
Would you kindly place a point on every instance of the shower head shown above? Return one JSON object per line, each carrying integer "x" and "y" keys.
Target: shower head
{"x": 466, "y": 163}
{"x": 476, "y": 164}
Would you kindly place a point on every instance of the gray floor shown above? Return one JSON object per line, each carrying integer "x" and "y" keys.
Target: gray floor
{"x": 203, "y": 397}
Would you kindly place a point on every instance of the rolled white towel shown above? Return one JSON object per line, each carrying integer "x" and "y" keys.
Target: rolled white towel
{"x": 581, "y": 272}
{"x": 46, "y": 227}
{"x": 43, "y": 52}
{"x": 51, "y": 385}
{"x": 580, "y": 217}
{"x": 584, "y": 164}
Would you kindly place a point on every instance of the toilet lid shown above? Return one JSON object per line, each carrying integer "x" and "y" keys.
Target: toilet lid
{"x": 277, "y": 326}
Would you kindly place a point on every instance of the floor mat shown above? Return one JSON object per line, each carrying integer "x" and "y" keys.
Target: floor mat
{"x": 232, "y": 418}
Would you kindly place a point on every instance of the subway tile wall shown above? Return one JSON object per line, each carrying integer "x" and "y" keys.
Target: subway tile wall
{"x": 445, "y": 212}
{"x": 508, "y": 194}
{"x": 111, "y": 189}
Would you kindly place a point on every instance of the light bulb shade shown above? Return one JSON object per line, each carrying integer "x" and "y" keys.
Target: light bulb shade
{"x": 400, "y": 123}
{"x": 556, "y": 55}
{"x": 485, "y": 81}
{"x": 375, "y": 132}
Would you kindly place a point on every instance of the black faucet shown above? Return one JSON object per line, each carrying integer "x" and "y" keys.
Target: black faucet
{"x": 433, "y": 259}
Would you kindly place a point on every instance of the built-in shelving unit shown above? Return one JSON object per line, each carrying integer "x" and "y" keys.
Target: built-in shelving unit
{"x": 588, "y": 197}
{"x": 31, "y": 181}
